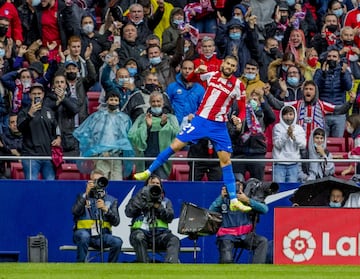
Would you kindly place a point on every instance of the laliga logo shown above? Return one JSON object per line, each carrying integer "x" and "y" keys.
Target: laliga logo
{"x": 299, "y": 245}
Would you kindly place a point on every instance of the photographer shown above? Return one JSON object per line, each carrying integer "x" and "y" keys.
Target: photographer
{"x": 94, "y": 211}
{"x": 237, "y": 229}
{"x": 151, "y": 212}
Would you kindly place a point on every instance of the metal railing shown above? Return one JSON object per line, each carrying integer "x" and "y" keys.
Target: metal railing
{"x": 175, "y": 159}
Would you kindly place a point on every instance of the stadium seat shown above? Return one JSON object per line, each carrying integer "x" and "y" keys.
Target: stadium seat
{"x": 349, "y": 144}
{"x": 16, "y": 170}
{"x": 69, "y": 172}
{"x": 180, "y": 154}
{"x": 93, "y": 98}
{"x": 336, "y": 144}
{"x": 179, "y": 172}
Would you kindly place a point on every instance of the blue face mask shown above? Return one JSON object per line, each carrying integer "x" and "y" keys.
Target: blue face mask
{"x": 35, "y": 2}
{"x": 335, "y": 204}
{"x": 155, "y": 60}
{"x": 178, "y": 22}
{"x": 121, "y": 81}
{"x": 235, "y": 36}
{"x": 156, "y": 110}
{"x": 239, "y": 18}
{"x": 186, "y": 49}
{"x": 2, "y": 52}
{"x": 250, "y": 76}
{"x": 290, "y": 2}
{"x": 293, "y": 81}
{"x": 253, "y": 104}
{"x": 338, "y": 12}
{"x": 132, "y": 71}
{"x": 284, "y": 68}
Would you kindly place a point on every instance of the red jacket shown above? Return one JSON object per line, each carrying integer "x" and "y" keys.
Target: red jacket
{"x": 15, "y": 30}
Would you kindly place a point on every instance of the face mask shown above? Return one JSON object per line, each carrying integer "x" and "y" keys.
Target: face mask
{"x": 253, "y": 104}
{"x": 71, "y": 76}
{"x": 155, "y": 60}
{"x": 312, "y": 61}
{"x": 335, "y": 204}
{"x": 132, "y": 71}
{"x": 239, "y": 18}
{"x": 250, "y": 76}
{"x": 2, "y": 52}
{"x": 350, "y": 130}
{"x": 348, "y": 42}
{"x": 273, "y": 51}
{"x": 208, "y": 56}
{"x": 178, "y": 22}
{"x": 290, "y": 2}
{"x": 235, "y": 36}
{"x": 35, "y": 2}
{"x": 186, "y": 49}
{"x": 338, "y": 12}
{"x": 88, "y": 28}
{"x": 44, "y": 59}
{"x": 283, "y": 19}
{"x": 3, "y": 31}
{"x": 121, "y": 81}
{"x": 332, "y": 28}
{"x": 151, "y": 87}
{"x": 156, "y": 110}
{"x": 293, "y": 81}
{"x": 332, "y": 63}
{"x": 26, "y": 83}
{"x": 284, "y": 68}
{"x": 112, "y": 107}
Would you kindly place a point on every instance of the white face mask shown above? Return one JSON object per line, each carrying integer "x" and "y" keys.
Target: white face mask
{"x": 26, "y": 83}
{"x": 350, "y": 130}
{"x": 88, "y": 28}
{"x": 35, "y": 2}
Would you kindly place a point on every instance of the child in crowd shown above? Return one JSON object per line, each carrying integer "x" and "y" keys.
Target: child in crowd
{"x": 288, "y": 139}
{"x": 317, "y": 150}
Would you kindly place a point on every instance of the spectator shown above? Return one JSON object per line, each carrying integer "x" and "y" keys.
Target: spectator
{"x": 134, "y": 71}
{"x": 248, "y": 138}
{"x": 237, "y": 228}
{"x": 317, "y": 150}
{"x": 39, "y": 128}
{"x": 14, "y": 30}
{"x": 164, "y": 65}
{"x": 291, "y": 87}
{"x": 105, "y": 134}
{"x": 5, "y": 108}
{"x": 41, "y": 53}
{"x": 297, "y": 45}
{"x": 312, "y": 63}
{"x": 348, "y": 50}
{"x": 131, "y": 47}
{"x": 251, "y": 77}
{"x": 153, "y": 131}
{"x": 27, "y": 17}
{"x": 238, "y": 39}
{"x": 351, "y": 19}
{"x": 333, "y": 80}
{"x": 149, "y": 209}
{"x": 202, "y": 15}
{"x": 288, "y": 139}
{"x": 95, "y": 212}
{"x": 58, "y": 21}
{"x": 10, "y": 144}
{"x": 145, "y": 25}
{"x": 185, "y": 96}
{"x": 337, "y": 198}
{"x": 171, "y": 34}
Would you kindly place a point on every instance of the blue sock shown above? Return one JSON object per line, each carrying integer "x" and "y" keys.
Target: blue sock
{"x": 161, "y": 159}
{"x": 229, "y": 181}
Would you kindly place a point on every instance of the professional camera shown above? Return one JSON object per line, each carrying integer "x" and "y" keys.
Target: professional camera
{"x": 258, "y": 190}
{"x": 152, "y": 194}
{"x": 100, "y": 185}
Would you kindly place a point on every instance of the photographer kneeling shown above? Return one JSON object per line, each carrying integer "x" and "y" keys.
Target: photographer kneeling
{"x": 151, "y": 212}
{"x": 95, "y": 212}
{"x": 237, "y": 228}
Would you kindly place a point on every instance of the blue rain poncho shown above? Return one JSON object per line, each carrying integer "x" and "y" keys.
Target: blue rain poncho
{"x": 105, "y": 131}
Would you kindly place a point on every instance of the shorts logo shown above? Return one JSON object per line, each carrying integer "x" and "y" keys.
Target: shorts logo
{"x": 299, "y": 245}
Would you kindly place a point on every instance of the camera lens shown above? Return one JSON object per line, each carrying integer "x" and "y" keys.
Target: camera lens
{"x": 101, "y": 182}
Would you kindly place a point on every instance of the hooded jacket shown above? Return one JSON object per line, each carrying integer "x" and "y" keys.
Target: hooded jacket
{"x": 283, "y": 146}
{"x": 319, "y": 169}
{"x": 171, "y": 34}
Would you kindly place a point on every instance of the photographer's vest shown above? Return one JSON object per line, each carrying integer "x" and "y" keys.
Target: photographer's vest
{"x": 90, "y": 217}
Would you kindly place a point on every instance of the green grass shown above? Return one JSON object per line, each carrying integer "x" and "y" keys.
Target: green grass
{"x": 158, "y": 271}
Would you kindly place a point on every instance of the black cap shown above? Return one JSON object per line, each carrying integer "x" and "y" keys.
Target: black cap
{"x": 283, "y": 6}
{"x": 36, "y": 85}
{"x": 37, "y": 67}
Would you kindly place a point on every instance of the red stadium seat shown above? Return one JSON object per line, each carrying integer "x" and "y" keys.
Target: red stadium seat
{"x": 180, "y": 154}
{"x": 69, "y": 172}
{"x": 179, "y": 172}
{"x": 16, "y": 170}
{"x": 336, "y": 145}
{"x": 93, "y": 98}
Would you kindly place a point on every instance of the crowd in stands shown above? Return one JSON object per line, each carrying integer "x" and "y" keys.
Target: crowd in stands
{"x": 144, "y": 59}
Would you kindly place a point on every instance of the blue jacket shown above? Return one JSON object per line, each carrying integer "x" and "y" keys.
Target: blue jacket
{"x": 235, "y": 223}
{"x": 184, "y": 99}
{"x": 333, "y": 85}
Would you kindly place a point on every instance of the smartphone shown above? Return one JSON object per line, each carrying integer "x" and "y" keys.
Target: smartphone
{"x": 117, "y": 39}
{"x": 37, "y": 100}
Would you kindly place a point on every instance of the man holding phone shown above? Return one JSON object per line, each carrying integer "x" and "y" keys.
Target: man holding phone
{"x": 39, "y": 128}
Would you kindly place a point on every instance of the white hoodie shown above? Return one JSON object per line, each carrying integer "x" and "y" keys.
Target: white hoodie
{"x": 283, "y": 146}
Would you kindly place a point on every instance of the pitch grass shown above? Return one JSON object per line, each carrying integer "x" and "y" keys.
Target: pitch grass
{"x": 175, "y": 271}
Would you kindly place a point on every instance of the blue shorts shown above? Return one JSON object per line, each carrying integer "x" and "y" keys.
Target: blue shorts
{"x": 200, "y": 128}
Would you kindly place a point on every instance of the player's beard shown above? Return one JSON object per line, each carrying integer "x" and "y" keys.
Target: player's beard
{"x": 227, "y": 74}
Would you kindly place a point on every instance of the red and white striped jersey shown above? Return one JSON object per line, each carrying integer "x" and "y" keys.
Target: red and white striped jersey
{"x": 220, "y": 95}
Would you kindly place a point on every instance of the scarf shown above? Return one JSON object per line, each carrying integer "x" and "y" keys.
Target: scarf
{"x": 310, "y": 120}
{"x": 252, "y": 123}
